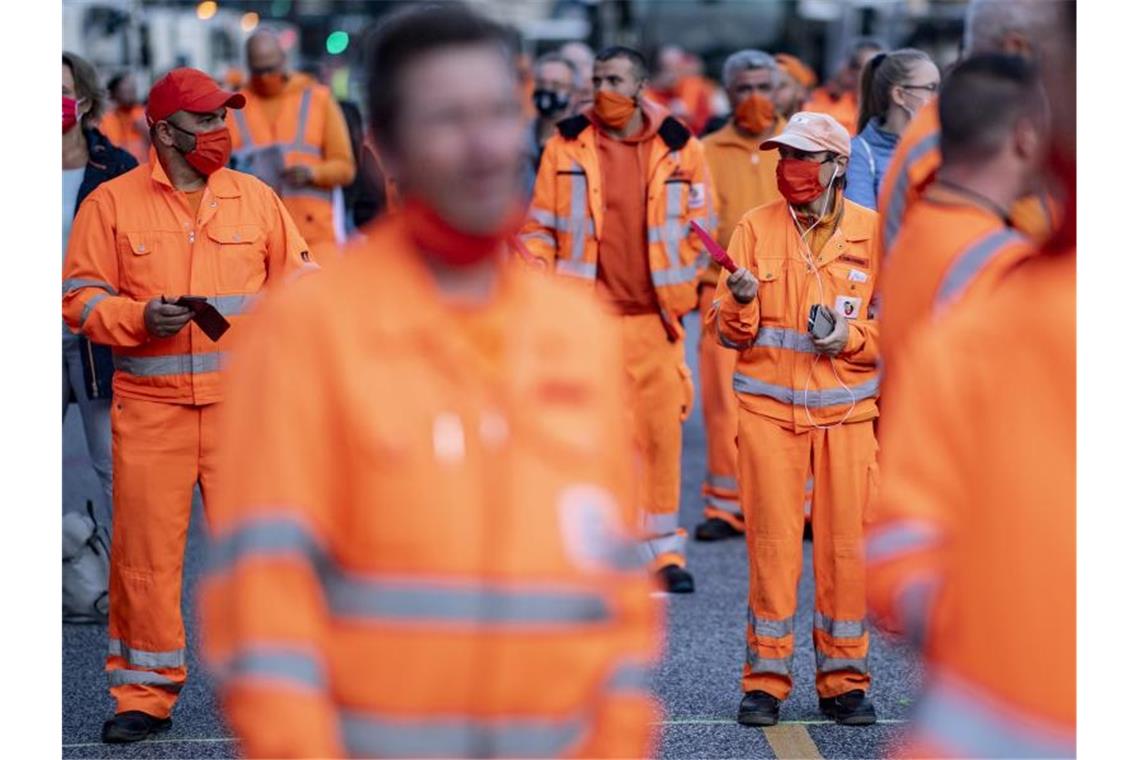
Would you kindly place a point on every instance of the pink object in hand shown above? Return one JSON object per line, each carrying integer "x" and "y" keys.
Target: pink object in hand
{"x": 719, "y": 255}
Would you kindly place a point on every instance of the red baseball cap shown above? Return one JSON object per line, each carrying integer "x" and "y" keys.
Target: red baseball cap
{"x": 188, "y": 89}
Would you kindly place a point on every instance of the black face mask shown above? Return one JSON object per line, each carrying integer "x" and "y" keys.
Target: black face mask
{"x": 548, "y": 102}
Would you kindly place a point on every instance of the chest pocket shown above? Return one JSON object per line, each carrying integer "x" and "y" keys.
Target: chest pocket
{"x": 240, "y": 252}
{"x": 773, "y": 289}
{"x": 853, "y": 287}
{"x": 144, "y": 260}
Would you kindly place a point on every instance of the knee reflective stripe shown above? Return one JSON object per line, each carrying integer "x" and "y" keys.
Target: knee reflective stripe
{"x": 652, "y": 548}
{"x": 583, "y": 269}
{"x": 267, "y": 536}
{"x": 90, "y": 307}
{"x": 915, "y": 602}
{"x": 76, "y": 284}
{"x": 659, "y": 524}
{"x": 175, "y": 658}
{"x": 812, "y": 399}
{"x": 301, "y": 670}
{"x": 770, "y": 627}
{"x": 969, "y": 723}
{"x": 174, "y": 364}
{"x": 896, "y": 204}
{"x": 899, "y": 538}
{"x": 971, "y": 261}
{"x": 728, "y": 505}
{"x": 825, "y": 664}
{"x": 230, "y": 306}
{"x": 723, "y": 482}
{"x": 367, "y": 735}
{"x": 781, "y": 666}
{"x": 786, "y": 338}
{"x": 123, "y": 677}
{"x": 840, "y": 629}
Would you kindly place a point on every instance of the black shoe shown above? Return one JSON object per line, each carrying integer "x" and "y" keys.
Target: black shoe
{"x": 851, "y": 708}
{"x": 758, "y": 708}
{"x": 715, "y": 529}
{"x": 676, "y": 579}
{"x": 133, "y": 726}
{"x": 807, "y": 531}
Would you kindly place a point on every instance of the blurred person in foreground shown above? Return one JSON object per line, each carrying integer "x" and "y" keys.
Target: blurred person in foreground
{"x": 183, "y": 225}
{"x": 292, "y": 136}
{"x": 125, "y": 124}
{"x": 745, "y": 177}
{"x": 807, "y": 404}
{"x": 993, "y": 608}
{"x": 795, "y": 88}
{"x": 1025, "y": 28}
{"x": 838, "y": 98}
{"x": 892, "y": 88}
{"x": 425, "y": 496}
{"x": 555, "y": 80}
{"x": 616, "y": 190}
{"x": 582, "y": 56}
{"x": 89, "y": 160}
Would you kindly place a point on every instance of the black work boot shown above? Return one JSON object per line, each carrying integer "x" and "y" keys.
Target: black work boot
{"x": 851, "y": 708}
{"x": 676, "y": 579}
{"x": 758, "y": 708}
{"x": 715, "y": 529}
{"x": 133, "y": 726}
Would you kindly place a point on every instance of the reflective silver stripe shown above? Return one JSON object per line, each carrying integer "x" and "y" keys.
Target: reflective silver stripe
{"x": 651, "y": 548}
{"x": 896, "y": 205}
{"x": 76, "y": 284}
{"x": 784, "y": 337}
{"x": 674, "y": 276}
{"x": 673, "y": 232}
{"x": 175, "y": 658}
{"x": 90, "y": 307}
{"x": 914, "y": 602}
{"x": 811, "y": 399}
{"x": 630, "y": 676}
{"x": 542, "y": 237}
{"x": 418, "y": 601}
{"x": 585, "y": 269}
{"x": 781, "y": 666}
{"x": 243, "y": 129}
{"x": 900, "y": 537}
{"x": 367, "y": 735}
{"x": 124, "y": 677}
{"x": 726, "y": 482}
{"x": 229, "y": 306}
{"x": 270, "y": 535}
{"x": 825, "y": 664}
{"x": 302, "y": 119}
{"x": 971, "y": 261}
{"x": 840, "y": 629}
{"x": 963, "y": 721}
{"x": 771, "y": 628}
{"x": 728, "y": 505}
{"x": 661, "y": 523}
{"x": 302, "y": 669}
{"x": 175, "y": 364}
{"x": 577, "y": 229}
{"x": 542, "y": 217}
{"x": 309, "y": 190}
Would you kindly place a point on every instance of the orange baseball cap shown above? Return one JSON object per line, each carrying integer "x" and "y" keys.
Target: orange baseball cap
{"x": 798, "y": 70}
{"x": 188, "y": 89}
{"x": 812, "y": 132}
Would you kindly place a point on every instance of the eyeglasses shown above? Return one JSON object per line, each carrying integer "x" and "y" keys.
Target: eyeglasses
{"x": 931, "y": 88}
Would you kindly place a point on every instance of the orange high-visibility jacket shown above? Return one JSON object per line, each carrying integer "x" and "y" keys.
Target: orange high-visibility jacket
{"x": 844, "y": 109}
{"x": 423, "y": 540}
{"x": 566, "y": 218}
{"x": 779, "y": 371}
{"x": 915, "y": 162}
{"x": 134, "y": 240}
{"x": 128, "y": 131}
{"x": 309, "y": 130}
{"x": 972, "y": 545}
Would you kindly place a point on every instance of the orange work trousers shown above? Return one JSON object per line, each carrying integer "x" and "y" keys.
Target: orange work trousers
{"x": 775, "y": 464}
{"x": 160, "y": 450}
{"x": 660, "y": 394}
{"x": 721, "y": 489}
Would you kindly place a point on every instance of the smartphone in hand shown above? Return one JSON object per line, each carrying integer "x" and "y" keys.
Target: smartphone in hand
{"x": 209, "y": 319}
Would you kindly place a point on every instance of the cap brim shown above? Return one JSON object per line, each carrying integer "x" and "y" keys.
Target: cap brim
{"x": 212, "y": 101}
{"x": 799, "y": 142}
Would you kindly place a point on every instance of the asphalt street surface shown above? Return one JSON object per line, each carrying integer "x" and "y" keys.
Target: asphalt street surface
{"x": 698, "y": 682}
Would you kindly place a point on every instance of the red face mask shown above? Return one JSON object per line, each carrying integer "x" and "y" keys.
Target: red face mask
{"x": 437, "y": 239}
{"x": 211, "y": 149}
{"x": 70, "y": 113}
{"x": 798, "y": 180}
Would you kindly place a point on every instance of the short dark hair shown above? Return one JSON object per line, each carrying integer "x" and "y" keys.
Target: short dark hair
{"x": 410, "y": 33}
{"x": 114, "y": 82}
{"x": 86, "y": 87}
{"x": 640, "y": 65}
{"x": 981, "y": 100}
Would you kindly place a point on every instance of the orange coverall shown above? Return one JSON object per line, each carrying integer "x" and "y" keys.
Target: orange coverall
{"x": 972, "y": 549}
{"x": 844, "y": 109}
{"x": 134, "y": 239}
{"x": 444, "y": 514}
{"x": 779, "y": 381}
{"x": 745, "y": 177}
{"x": 128, "y": 130}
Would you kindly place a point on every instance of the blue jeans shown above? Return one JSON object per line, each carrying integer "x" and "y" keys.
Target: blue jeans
{"x": 96, "y": 415}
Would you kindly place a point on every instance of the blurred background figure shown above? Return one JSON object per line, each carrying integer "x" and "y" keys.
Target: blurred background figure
{"x": 839, "y": 96}
{"x": 582, "y": 56}
{"x": 447, "y": 498}
{"x": 293, "y": 137}
{"x": 678, "y": 86}
{"x": 365, "y": 198}
{"x": 993, "y": 608}
{"x": 124, "y": 124}
{"x": 555, "y": 82}
{"x": 795, "y": 87}
{"x": 89, "y": 160}
{"x": 893, "y": 88}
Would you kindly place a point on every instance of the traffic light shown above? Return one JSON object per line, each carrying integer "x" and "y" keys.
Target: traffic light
{"x": 337, "y": 42}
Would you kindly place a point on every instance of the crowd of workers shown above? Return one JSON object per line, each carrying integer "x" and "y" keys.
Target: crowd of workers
{"x": 440, "y": 439}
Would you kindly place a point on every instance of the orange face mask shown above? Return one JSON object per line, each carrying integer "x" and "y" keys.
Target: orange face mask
{"x": 613, "y": 109}
{"x": 755, "y": 114}
{"x": 268, "y": 85}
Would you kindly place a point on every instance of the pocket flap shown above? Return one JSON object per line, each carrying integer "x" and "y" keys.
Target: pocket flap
{"x": 233, "y": 234}
{"x": 141, "y": 244}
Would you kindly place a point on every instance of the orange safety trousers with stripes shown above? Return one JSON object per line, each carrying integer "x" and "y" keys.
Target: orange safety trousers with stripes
{"x": 721, "y": 489}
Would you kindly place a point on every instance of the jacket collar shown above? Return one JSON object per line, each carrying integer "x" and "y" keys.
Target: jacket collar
{"x": 221, "y": 183}
{"x": 875, "y": 135}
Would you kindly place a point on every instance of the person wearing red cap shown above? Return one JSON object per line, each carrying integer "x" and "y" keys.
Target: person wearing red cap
{"x": 807, "y": 391}
{"x": 182, "y": 225}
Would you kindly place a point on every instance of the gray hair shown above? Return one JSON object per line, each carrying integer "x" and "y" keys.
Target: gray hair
{"x": 575, "y": 75}
{"x": 989, "y": 21}
{"x": 747, "y": 60}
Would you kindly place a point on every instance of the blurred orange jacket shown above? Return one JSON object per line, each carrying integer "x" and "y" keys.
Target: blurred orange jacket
{"x": 972, "y": 548}
{"x": 135, "y": 239}
{"x": 128, "y": 130}
{"x": 430, "y": 553}
{"x": 844, "y": 109}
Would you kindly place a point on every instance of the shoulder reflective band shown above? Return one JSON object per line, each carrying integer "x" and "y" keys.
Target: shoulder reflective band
{"x": 971, "y": 261}
{"x": 896, "y": 204}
